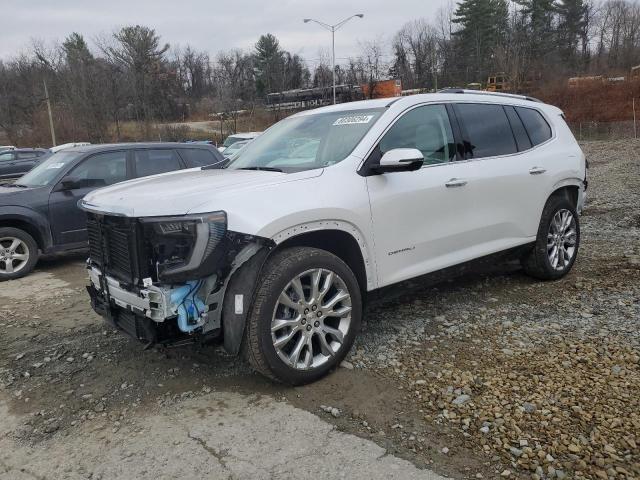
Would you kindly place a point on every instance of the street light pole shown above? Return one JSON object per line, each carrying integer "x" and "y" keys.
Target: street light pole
{"x": 333, "y": 29}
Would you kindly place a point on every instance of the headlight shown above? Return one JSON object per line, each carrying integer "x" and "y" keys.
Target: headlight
{"x": 181, "y": 245}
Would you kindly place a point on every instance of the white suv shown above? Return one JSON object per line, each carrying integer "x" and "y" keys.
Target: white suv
{"x": 275, "y": 252}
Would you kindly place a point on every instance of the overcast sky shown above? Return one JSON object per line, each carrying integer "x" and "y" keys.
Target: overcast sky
{"x": 211, "y": 25}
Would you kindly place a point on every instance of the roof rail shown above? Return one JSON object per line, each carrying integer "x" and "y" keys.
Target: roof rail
{"x": 496, "y": 94}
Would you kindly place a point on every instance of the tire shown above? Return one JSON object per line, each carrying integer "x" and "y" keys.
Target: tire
{"x": 309, "y": 322}
{"x": 20, "y": 260}
{"x": 538, "y": 263}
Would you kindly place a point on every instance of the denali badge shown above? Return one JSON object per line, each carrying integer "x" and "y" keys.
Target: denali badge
{"x": 402, "y": 250}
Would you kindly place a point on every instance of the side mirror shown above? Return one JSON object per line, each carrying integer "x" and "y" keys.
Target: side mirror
{"x": 67, "y": 184}
{"x": 400, "y": 160}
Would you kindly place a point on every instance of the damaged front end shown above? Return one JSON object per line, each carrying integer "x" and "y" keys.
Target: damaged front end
{"x": 163, "y": 279}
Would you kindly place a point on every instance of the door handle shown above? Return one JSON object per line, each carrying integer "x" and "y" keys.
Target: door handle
{"x": 456, "y": 182}
{"x": 537, "y": 171}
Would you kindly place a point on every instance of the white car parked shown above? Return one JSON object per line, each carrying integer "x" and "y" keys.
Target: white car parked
{"x": 238, "y": 137}
{"x": 276, "y": 252}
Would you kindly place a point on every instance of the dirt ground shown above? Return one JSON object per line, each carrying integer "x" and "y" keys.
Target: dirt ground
{"x": 492, "y": 375}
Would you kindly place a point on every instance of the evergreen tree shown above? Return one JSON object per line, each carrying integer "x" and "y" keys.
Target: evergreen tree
{"x": 538, "y": 15}
{"x": 571, "y": 25}
{"x": 269, "y": 60}
{"x": 483, "y": 28}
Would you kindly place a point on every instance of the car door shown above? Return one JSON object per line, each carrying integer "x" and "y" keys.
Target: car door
{"x": 68, "y": 222}
{"x": 500, "y": 156}
{"x": 421, "y": 219}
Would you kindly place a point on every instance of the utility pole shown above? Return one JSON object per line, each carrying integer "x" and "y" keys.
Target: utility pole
{"x": 53, "y": 133}
{"x": 635, "y": 129}
{"x": 332, "y": 29}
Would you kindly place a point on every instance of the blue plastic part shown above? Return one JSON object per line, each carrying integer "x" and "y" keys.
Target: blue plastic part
{"x": 189, "y": 305}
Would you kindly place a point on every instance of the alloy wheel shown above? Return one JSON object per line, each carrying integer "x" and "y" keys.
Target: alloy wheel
{"x": 311, "y": 319}
{"x": 561, "y": 239}
{"x": 14, "y": 255}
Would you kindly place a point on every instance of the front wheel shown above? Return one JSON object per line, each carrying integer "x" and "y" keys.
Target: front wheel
{"x": 18, "y": 253}
{"x": 557, "y": 242}
{"x": 306, "y": 313}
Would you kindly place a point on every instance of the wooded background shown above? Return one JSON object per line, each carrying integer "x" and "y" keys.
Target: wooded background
{"x": 99, "y": 89}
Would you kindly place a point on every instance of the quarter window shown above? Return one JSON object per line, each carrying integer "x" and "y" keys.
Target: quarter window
{"x": 488, "y": 130}
{"x": 537, "y": 127}
{"x": 5, "y": 157}
{"x": 153, "y": 162}
{"x": 426, "y": 129}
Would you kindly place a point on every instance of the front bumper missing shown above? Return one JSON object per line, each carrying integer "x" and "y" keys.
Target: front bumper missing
{"x": 149, "y": 315}
{"x": 152, "y": 302}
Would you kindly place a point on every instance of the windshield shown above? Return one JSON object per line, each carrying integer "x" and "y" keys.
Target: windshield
{"x": 47, "y": 172}
{"x": 307, "y": 142}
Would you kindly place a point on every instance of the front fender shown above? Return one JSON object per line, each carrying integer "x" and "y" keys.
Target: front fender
{"x": 33, "y": 218}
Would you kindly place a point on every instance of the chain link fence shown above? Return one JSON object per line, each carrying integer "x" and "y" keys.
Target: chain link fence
{"x": 604, "y": 130}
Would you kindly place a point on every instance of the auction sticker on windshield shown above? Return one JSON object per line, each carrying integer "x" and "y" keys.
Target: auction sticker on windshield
{"x": 353, "y": 119}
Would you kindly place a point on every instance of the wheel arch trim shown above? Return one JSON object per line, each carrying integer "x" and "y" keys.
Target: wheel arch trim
{"x": 342, "y": 226}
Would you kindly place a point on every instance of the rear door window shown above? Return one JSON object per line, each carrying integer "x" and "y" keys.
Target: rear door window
{"x": 537, "y": 127}
{"x": 153, "y": 162}
{"x": 488, "y": 133}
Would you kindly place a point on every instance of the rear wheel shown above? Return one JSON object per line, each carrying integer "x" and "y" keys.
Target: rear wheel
{"x": 305, "y": 316}
{"x": 557, "y": 241}
{"x": 18, "y": 253}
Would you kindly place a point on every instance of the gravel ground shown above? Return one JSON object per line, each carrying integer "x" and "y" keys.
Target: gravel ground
{"x": 544, "y": 378}
{"x": 490, "y": 375}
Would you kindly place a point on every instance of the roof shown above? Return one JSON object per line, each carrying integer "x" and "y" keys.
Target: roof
{"x": 247, "y": 135}
{"x": 19, "y": 150}
{"x": 348, "y": 106}
{"x": 105, "y": 147}
{"x": 448, "y": 95}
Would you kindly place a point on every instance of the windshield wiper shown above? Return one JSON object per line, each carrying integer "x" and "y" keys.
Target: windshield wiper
{"x": 265, "y": 169}
{"x": 19, "y": 185}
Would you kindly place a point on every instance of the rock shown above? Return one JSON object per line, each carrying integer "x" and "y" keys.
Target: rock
{"x": 70, "y": 359}
{"x": 421, "y": 382}
{"x": 99, "y": 407}
{"x": 19, "y": 356}
{"x": 335, "y": 412}
{"x": 516, "y": 452}
{"x": 574, "y": 448}
{"x": 51, "y": 427}
{"x": 529, "y": 407}
{"x": 346, "y": 364}
{"x": 445, "y": 450}
{"x": 484, "y": 430}
{"x": 506, "y": 473}
{"x": 461, "y": 399}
